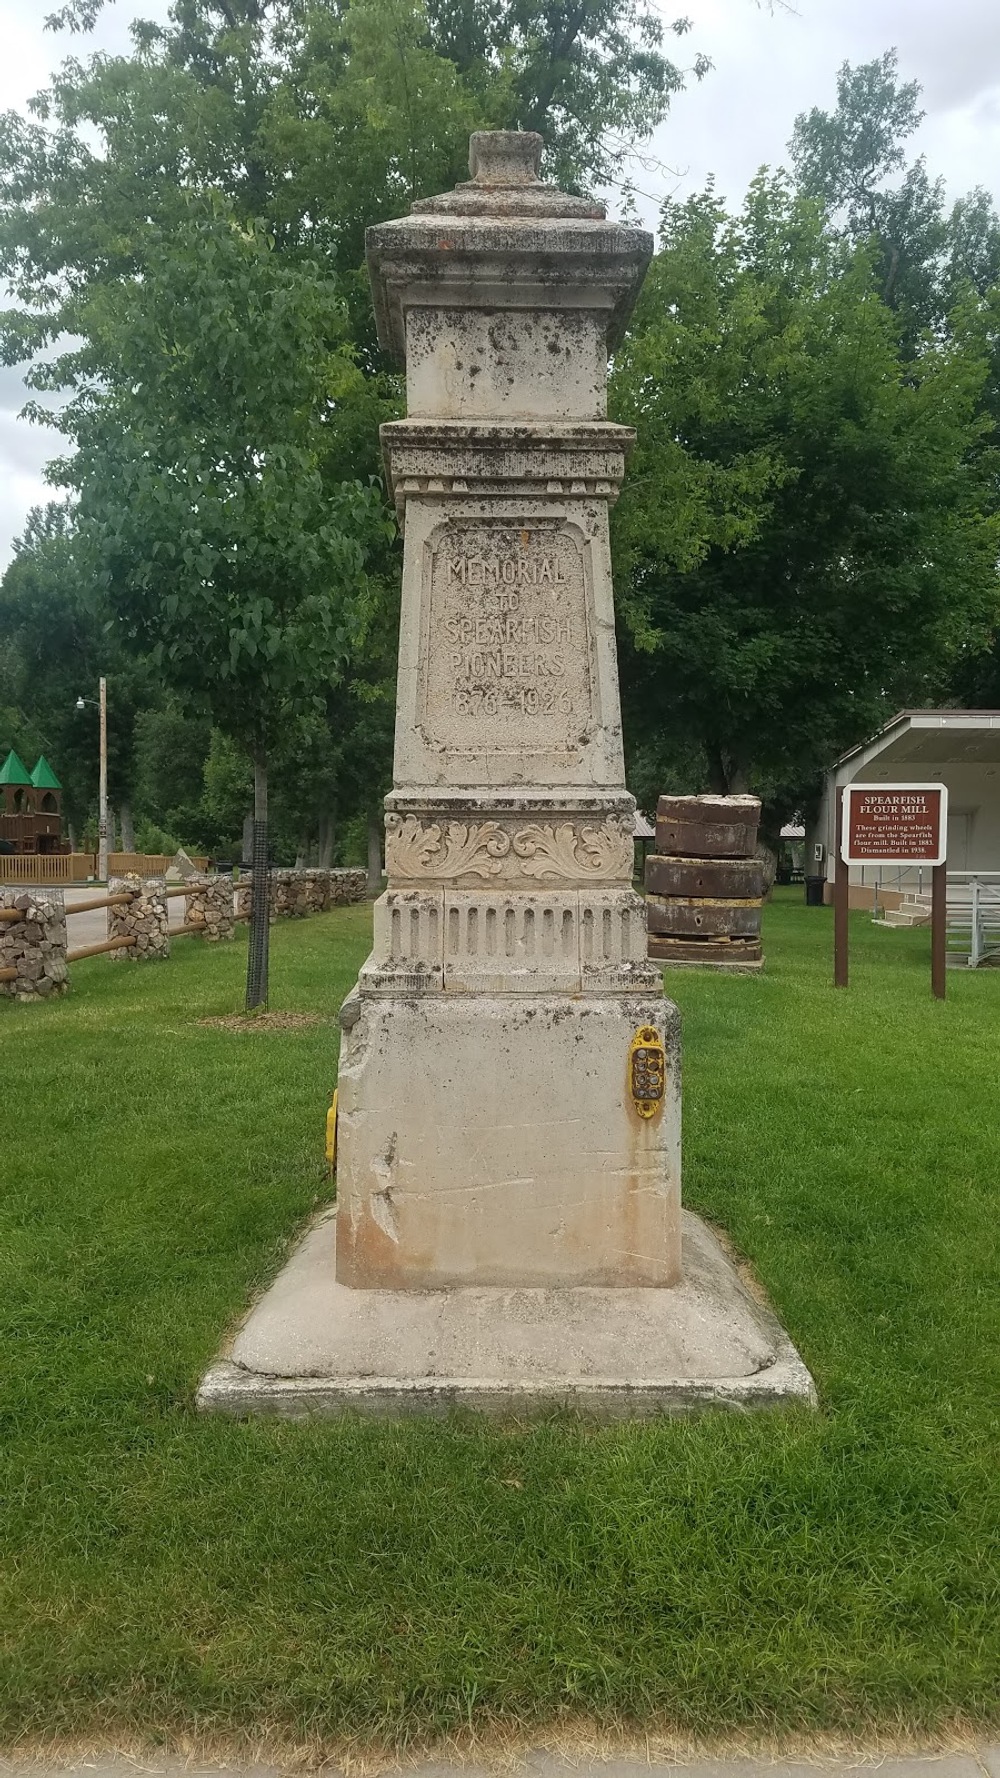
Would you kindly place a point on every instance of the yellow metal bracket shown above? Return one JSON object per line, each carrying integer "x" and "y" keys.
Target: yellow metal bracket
{"x": 331, "y": 1133}
{"x": 647, "y": 1070}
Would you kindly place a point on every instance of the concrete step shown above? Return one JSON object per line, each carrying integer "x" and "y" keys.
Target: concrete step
{"x": 904, "y": 917}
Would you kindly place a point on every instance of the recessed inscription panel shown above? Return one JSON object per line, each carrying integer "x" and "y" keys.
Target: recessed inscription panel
{"x": 507, "y": 655}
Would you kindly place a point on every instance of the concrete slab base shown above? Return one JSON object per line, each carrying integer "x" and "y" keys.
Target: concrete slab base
{"x": 313, "y": 1346}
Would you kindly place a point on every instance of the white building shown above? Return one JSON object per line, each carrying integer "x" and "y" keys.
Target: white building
{"x": 959, "y": 748}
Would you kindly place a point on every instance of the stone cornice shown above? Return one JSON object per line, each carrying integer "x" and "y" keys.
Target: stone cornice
{"x": 451, "y": 458}
{"x": 526, "y": 262}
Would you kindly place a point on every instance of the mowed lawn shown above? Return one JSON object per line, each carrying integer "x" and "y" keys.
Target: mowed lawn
{"x": 164, "y": 1574}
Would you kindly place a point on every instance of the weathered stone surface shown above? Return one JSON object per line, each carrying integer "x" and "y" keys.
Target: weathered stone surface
{"x": 509, "y": 963}
{"x": 704, "y": 839}
{"x": 209, "y": 903}
{"x": 744, "y": 810}
{"x": 312, "y": 1345}
{"x": 507, "y": 1210}
{"x": 471, "y": 847}
{"x": 704, "y": 883}
{"x": 295, "y": 893}
{"x": 491, "y": 1139}
{"x": 34, "y": 944}
{"x": 736, "y": 955}
{"x": 144, "y": 919}
{"x": 734, "y": 879}
{"x": 703, "y": 917}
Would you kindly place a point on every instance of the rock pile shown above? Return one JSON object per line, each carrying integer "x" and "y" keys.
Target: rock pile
{"x": 144, "y": 918}
{"x": 347, "y": 886}
{"x": 317, "y": 890}
{"x": 295, "y": 893}
{"x": 704, "y": 885}
{"x": 210, "y": 904}
{"x": 34, "y": 944}
{"x": 289, "y": 895}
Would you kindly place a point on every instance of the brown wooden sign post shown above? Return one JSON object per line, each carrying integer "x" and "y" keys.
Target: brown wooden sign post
{"x": 901, "y": 824}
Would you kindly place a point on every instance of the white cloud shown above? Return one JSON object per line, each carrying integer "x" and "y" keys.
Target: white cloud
{"x": 769, "y": 65}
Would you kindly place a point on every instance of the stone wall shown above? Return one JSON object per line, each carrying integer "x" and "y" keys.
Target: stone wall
{"x": 34, "y": 944}
{"x": 144, "y": 918}
{"x": 210, "y": 903}
{"x": 317, "y": 890}
{"x": 347, "y": 886}
{"x": 295, "y": 893}
{"x": 289, "y": 895}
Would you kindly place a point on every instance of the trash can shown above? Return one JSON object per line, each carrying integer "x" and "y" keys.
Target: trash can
{"x": 814, "y": 891}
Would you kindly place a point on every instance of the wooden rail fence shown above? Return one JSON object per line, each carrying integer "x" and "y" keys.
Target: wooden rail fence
{"x": 40, "y": 954}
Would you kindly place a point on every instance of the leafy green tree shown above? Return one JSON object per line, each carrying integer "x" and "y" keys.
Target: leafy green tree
{"x": 302, "y": 121}
{"x": 171, "y": 748}
{"x": 853, "y": 160}
{"x": 205, "y": 503}
{"x": 804, "y": 539}
{"x": 58, "y": 641}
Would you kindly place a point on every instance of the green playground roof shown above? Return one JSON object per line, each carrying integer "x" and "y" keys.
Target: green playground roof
{"x": 43, "y": 777}
{"x": 14, "y": 770}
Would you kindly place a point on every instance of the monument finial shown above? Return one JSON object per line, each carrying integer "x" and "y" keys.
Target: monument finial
{"x": 505, "y": 157}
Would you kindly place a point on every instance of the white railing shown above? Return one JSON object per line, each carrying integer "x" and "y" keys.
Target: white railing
{"x": 974, "y": 914}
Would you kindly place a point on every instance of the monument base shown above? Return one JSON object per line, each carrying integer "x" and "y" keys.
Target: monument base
{"x": 312, "y": 1346}
{"x": 490, "y": 1139}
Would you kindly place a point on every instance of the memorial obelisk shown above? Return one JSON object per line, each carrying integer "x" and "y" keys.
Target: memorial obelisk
{"x": 508, "y": 1089}
{"x": 508, "y": 1178}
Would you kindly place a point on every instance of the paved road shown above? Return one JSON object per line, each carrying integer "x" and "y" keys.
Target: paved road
{"x": 974, "y": 1761}
{"x": 92, "y": 928}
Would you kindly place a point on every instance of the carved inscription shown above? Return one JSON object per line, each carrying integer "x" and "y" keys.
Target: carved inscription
{"x": 506, "y": 649}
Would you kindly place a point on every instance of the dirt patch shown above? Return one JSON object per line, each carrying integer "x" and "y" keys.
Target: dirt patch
{"x": 265, "y": 1021}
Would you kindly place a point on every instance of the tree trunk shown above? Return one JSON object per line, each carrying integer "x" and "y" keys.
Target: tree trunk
{"x": 260, "y": 930}
{"x": 246, "y": 856}
{"x": 71, "y": 835}
{"x": 112, "y": 830}
{"x": 128, "y": 828}
{"x": 302, "y": 851}
{"x": 374, "y": 854}
{"x": 325, "y": 856}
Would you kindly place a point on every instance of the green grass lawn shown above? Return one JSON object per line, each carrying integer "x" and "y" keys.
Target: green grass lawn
{"x": 163, "y": 1574}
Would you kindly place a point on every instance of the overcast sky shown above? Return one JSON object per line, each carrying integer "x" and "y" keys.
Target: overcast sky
{"x": 769, "y": 64}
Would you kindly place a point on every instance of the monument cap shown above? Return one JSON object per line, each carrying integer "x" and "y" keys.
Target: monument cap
{"x": 505, "y": 239}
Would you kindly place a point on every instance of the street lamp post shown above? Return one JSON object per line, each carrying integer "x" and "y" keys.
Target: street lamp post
{"x": 102, "y": 808}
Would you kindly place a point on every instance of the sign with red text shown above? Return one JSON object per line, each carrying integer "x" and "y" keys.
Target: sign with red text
{"x": 904, "y": 824}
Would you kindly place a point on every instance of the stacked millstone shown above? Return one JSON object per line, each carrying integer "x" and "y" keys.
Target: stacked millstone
{"x": 34, "y": 944}
{"x": 144, "y": 917}
{"x": 210, "y": 905}
{"x": 704, "y": 886}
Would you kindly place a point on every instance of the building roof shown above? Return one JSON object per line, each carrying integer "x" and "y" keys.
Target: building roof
{"x": 641, "y": 827}
{"x": 936, "y": 736}
{"x": 43, "y": 777}
{"x": 14, "y": 770}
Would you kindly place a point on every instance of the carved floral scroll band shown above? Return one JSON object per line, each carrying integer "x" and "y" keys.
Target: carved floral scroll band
{"x": 452, "y": 849}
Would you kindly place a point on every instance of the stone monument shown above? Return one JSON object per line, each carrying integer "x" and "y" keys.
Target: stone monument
{"x": 487, "y": 1134}
{"x": 508, "y": 1222}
